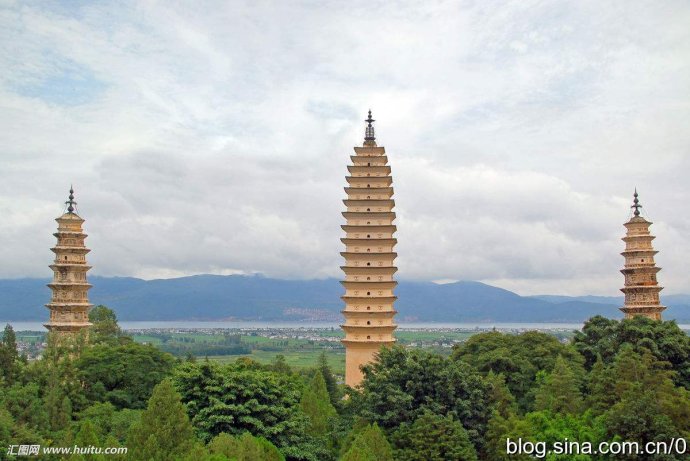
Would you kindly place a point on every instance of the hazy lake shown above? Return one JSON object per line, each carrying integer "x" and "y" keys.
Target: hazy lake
{"x": 175, "y": 324}
{"x": 178, "y": 324}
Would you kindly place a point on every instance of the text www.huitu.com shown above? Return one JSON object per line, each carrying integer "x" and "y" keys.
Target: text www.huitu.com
{"x": 37, "y": 450}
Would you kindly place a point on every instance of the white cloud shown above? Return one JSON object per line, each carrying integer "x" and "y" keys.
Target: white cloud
{"x": 208, "y": 137}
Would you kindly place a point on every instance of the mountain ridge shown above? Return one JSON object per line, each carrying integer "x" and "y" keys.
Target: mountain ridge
{"x": 256, "y": 297}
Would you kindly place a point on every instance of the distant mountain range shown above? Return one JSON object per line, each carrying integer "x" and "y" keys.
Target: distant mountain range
{"x": 215, "y": 297}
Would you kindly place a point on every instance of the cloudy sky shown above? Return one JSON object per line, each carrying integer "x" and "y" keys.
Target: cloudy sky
{"x": 213, "y": 137}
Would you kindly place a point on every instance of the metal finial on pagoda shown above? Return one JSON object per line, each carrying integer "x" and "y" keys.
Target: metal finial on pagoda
{"x": 70, "y": 203}
{"x": 636, "y": 204}
{"x": 369, "y": 135}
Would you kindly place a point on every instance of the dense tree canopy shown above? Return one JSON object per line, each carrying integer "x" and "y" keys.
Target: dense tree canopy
{"x": 246, "y": 397}
{"x": 616, "y": 381}
{"x": 433, "y": 438}
{"x": 405, "y": 383}
{"x": 602, "y": 337}
{"x": 517, "y": 357}
{"x": 123, "y": 375}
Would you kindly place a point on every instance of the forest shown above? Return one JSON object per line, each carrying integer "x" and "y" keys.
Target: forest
{"x": 615, "y": 381}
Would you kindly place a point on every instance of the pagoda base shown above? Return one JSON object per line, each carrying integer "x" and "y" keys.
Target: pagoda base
{"x": 358, "y": 353}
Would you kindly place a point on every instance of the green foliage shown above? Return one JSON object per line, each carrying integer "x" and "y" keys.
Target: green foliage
{"x": 517, "y": 357}
{"x": 25, "y": 405}
{"x": 59, "y": 377}
{"x": 499, "y": 429}
{"x": 164, "y": 431}
{"x": 108, "y": 421}
{"x": 495, "y": 386}
{"x": 105, "y": 328}
{"x": 560, "y": 392}
{"x": 433, "y": 438}
{"x": 245, "y": 447}
{"x": 14, "y": 433}
{"x": 7, "y": 424}
{"x": 8, "y": 356}
{"x": 640, "y": 417}
{"x": 334, "y": 392}
{"x": 279, "y": 365}
{"x": 123, "y": 375}
{"x": 601, "y": 337}
{"x": 402, "y": 384}
{"x": 87, "y": 437}
{"x": 316, "y": 404}
{"x": 633, "y": 373}
{"x": 599, "y": 384}
{"x": 246, "y": 397}
{"x": 499, "y": 395}
{"x": 369, "y": 444}
{"x": 551, "y": 427}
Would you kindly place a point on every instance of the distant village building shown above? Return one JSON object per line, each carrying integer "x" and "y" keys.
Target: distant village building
{"x": 369, "y": 256}
{"x": 641, "y": 286}
{"x": 69, "y": 305}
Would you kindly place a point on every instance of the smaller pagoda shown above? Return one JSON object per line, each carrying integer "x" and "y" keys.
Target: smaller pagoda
{"x": 69, "y": 306}
{"x": 641, "y": 287}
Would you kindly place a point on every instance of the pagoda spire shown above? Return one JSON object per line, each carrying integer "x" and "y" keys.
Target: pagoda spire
{"x": 369, "y": 257}
{"x": 636, "y": 204}
{"x": 369, "y": 135}
{"x": 71, "y": 204}
{"x": 69, "y": 304}
{"x": 641, "y": 287}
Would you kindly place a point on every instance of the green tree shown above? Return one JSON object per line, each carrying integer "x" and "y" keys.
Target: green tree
{"x": 164, "y": 431}
{"x": 59, "y": 375}
{"x": 560, "y": 393}
{"x": 433, "y": 438}
{"x": 499, "y": 395}
{"x": 631, "y": 372}
{"x": 246, "y": 397}
{"x": 546, "y": 426}
{"x": 641, "y": 418}
{"x": 245, "y": 447}
{"x": 7, "y": 425}
{"x": 402, "y": 384}
{"x": 123, "y": 375}
{"x": 105, "y": 328}
{"x": 600, "y": 385}
{"x": 517, "y": 357}
{"x": 87, "y": 437}
{"x": 369, "y": 444}
{"x": 8, "y": 356}
{"x": 280, "y": 365}
{"x": 109, "y": 421}
{"x": 25, "y": 405}
{"x": 500, "y": 428}
{"x": 601, "y": 337}
{"x": 316, "y": 404}
{"x": 334, "y": 391}
{"x": 14, "y": 433}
